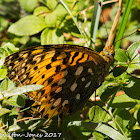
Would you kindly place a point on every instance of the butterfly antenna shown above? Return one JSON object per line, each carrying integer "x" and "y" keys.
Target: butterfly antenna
{"x": 103, "y": 17}
{"x": 138, "y": 30}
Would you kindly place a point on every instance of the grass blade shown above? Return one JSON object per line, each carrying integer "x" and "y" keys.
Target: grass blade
{"x": 95, "y": 23}
{"x": 123, "y": 23}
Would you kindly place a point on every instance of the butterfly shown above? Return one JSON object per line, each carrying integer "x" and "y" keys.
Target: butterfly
{"x": 69, "y": 73}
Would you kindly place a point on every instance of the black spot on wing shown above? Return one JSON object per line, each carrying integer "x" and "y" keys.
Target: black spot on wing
{"x": 58, "y": 68}
{"x": 48, "y": 66}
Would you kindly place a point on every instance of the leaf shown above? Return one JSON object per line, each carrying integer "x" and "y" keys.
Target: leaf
{"x": 4, "y": 111}
{"x": 3, "y": 73}
{"x": 122, "y": 119}
{"x": 2, "y": 59}
{"x": 9, "y": 48}
{"x": 7, "y": 84}
{"x": 52, "y": 4}
{"x": 89, "y": 125}
{"x": 138, "y": 116}
{"x": 107, "y": 89}
{"x": 51, "y": 19}
{"x": 123, "y": 101}
{"x": 109, "y": 131}
{"x": 26, "y": 125}
{"x": 28, "y": 25}
{"x": 13, "y": 112}
{"x": 28, "y": 5}
{"x": 120, "y": 56}
{"x": 20, "y": 90}
{"x": 98, "y": 113}
{"x": 133, "y": 50}
{"x": 102, "y": 128}
{"x": 17, "y": 101}
{"x": 4, "y": 135}
{"x": 52, "y": 36}
{"x": 132, "y": 53}
{"x": 132, "y": 88}
{"x": 41, "y": 11}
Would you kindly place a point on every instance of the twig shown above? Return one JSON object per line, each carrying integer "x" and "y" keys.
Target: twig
{"x": 91, "y": 7}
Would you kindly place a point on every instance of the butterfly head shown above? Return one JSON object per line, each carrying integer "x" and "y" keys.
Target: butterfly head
{"x": 108, "y": 54}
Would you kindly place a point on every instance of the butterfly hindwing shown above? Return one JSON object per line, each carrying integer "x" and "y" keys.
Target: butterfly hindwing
{"x": 69, "y": 74}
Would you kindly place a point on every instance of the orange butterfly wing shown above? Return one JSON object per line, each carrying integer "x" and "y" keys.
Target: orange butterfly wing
{"x": 69, "y": 73}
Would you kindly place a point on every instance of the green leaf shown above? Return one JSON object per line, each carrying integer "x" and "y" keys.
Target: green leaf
{"x": 28, "y": 25}
{"x": 132, "y": 53}
{"x": 2, "y": 59}
{"x": 133, "y": 50}
{"x": 89, "y": 125}
{"x": 132, "y": 89}
{"x": 41, "y": 11}
{"x": 50, "y": 19}
{"x": 9, "y": 48}
{"x": 4, "y": 135}
{"x": 98, "y": 113}
{"x": 28, "y": 5}
{"x": 13, "y": 112}
{"x": 123, "y": 101}
{"x": 138, "y": 116}
{"x": 20, "y": 90}
{"x": 7, "y": 84}
{"x": 17, "y": 101}
{"x": 52, "y": 36}
{"x": 102, "y": 128}
{"x": 26, "y": 125}
{"x": 109, "y": 131}
{"x": 107, "y": 89}
{"x": 120, "y": 56}
{"x": 98, "y": 136}
{"x": 52, "y": 4}
{"x": 3, "y": 73}
{"x": 4, "y": 111}
{"x": 122, "y": 119}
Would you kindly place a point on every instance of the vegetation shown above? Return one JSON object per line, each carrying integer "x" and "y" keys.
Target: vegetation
{"x": 26, "y": 23}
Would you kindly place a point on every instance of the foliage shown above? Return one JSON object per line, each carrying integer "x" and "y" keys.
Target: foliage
{"x": 26, "y": 23}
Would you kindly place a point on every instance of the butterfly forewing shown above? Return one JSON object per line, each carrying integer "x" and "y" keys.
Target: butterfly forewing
{"x": 70, "y": 74}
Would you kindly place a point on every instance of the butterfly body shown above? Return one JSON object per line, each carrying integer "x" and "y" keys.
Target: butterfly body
{"x": 69, "y": 74}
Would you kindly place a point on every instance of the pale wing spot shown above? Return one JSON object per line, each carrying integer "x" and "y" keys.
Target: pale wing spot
{"x": 77, "y": 96}
{"x": 10, "y": 67}
{"x": 57, "y": 102}
{"x": 24, "y": 76}
{"x": 62, "y": 81}
{"x": 90, "y": 71}
{"x": 57, "y": 91}
{"x": 13, "y": 73}
{"x": 10, "y": 57}
{"x": 65, "y": 102}
{"x": 25, "y": 55}
{"x": 79, "y": 70}
{"x": 23, "y": 70}
{"x": 23, "y": 65}
{"x": 73, "y": 87}
{"x": 16, "y": 62}
{"x": 83, "y": 79}
{"x": 8, "y": 62}
{"x": 65, "y": 72}
{"x": 88, "y": 84}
